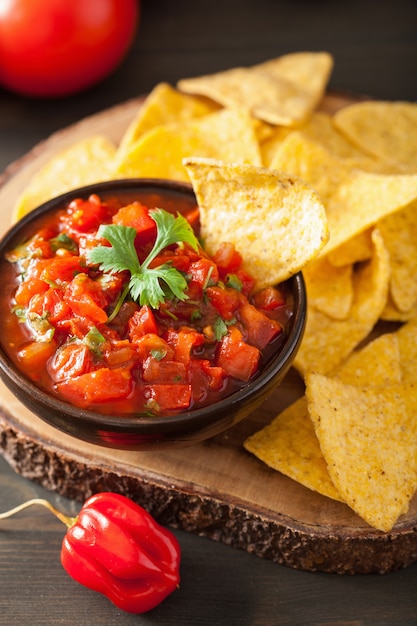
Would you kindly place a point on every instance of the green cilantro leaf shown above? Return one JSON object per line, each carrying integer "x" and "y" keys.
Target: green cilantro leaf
{"x": 147, "y": 285}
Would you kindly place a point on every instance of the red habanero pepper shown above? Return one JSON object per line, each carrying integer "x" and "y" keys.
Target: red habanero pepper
{"x": 118, "y": 549}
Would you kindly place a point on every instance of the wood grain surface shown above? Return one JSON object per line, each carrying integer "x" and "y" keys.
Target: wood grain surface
{"x": 215, "y": 489}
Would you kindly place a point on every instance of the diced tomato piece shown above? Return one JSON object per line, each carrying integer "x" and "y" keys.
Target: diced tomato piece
{"x": 121, "y": 354}
{"x": 260, "y": 329}
{"x": 184, "y": 341}
{"x": 86, "y": 298}
{"x": 137, "y": 216}
{"x": 50, "y": 303}
{"x": 28, "y": 289}
{"x": 181, "y": 262}
{"x": 153, "y": 345}
{"x": 269, "y": 299}
{"x": 100, "y": 385}
{"x": 165, "y": 370}
{"x": 34, "y": 357}
{"x": 169, "y": 397}
{"x": 215, "y": 375}
{"x": 84, "y": 216}
{"x": 225, "y": 300}
{"x": 204, "y": 272}
{"x": 246, "y": 281}
{"x": 74, "y": 326}
{"x": 141, "y": 323}
{"x": 236, "y": 357}
{"x": 227, "y": 258}
{"x": 62, "y": 269}
{"x": 72, "y": 359}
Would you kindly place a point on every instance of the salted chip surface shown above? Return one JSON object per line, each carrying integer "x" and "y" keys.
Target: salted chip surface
{"x": 366, "y": 198}
{"x": 329, "y": 287}
{"x": 163, "y": 105}
{"x": 278, "y": 221}
{"x": 89, "y": 160}
{"x": 327, "y": 342}
{"x": 386, "y": 130}
{"x": 289, "y": 443}
{"x": 354, "y": 250}
{"x": 283, "y": 91}
{"x": 399, "y": 232}
{"x": 407, "y": 342}
{"x": 227, "y": 134}
{"x": 368, "y": 439}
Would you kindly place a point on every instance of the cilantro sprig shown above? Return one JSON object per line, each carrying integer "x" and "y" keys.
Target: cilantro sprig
{"x": 147, "y": 285}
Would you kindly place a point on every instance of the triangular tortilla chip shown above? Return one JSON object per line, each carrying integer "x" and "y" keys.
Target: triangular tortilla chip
{"x": 280, "y": 91}
{"x": 368, "y": 436}
{"x": 228, "y": 134}
{"x": 277, "y": 221}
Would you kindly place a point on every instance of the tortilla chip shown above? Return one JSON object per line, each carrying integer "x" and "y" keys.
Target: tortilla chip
{"x": 227, "y": 134}
{"x": 329, "y": 288}
{"x": 377, "y": 363}
{"x": 280, "y": 91}
{"x": 366, "y": 198}
{"x": 354, "y": 250}
{"x": 399, "y": 232}
{"x": 289, "y": 443}
{"x": 301, "y": 156}
{"x": 164, "y": 105}
{"x": 276, "y": 220}
{"x": 368, "y": 436}
{"x": 407, "y": 343}
{"x": 384, "y": 130}
{"x": 327, "y": 342}
{"x": 87, "y": 161}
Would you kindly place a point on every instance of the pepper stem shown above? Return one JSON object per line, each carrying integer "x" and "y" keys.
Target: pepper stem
{"x": 65, "y": 519}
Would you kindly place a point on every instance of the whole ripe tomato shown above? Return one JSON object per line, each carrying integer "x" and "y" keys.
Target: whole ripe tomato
{"x": 52, "y": 48}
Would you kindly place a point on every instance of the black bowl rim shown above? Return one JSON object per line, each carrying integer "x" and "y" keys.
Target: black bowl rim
{"x": 145, "y": 425}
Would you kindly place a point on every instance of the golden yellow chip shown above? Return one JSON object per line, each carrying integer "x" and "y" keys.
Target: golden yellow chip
{"x": 368, "y": 436}
{"x": 366, "y": 198}
{"x": 407, "y": 342}
{"x": 289, "y": 443}
{"x": 329, "y": 288}
{"x": 280, "y": 91}
{"x": 355, "y": 199}
{"x": 354, "y": 250}
{"x": 301, "y": 156}
{"x": 277, "y": 221}
{"x": 164, "y": 105}
{"x": 88, "y": 161}
{"x": 377, "y": 363}
{"x": 327, "y": 342}
{"x": 392, "y": 314}
{"x": 399, "y": 232}
{"x": 227, "y": 134}
{"x": 269, "y": 145}
{"x": 385, "y": 130}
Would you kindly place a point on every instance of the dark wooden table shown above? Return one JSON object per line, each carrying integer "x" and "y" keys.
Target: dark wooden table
{"x": 374, "y": 44}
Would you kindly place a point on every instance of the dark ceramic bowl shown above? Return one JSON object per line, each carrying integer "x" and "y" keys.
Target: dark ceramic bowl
{"x": 146, "y": 433}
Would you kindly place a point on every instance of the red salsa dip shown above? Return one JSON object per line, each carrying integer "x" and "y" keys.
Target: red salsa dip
{"x": 182, "y": 332}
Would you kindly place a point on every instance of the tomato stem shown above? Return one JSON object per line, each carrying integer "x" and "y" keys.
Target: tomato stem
{"x": 65, "y": 519}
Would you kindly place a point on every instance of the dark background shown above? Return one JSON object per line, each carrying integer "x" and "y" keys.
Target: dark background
{"x": 374, "y": 44}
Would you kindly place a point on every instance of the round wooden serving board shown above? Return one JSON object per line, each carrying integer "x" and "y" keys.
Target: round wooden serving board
{"x": 216, "y": 488}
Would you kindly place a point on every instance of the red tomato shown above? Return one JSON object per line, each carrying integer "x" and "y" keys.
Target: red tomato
{"x": 58, "y": 47}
